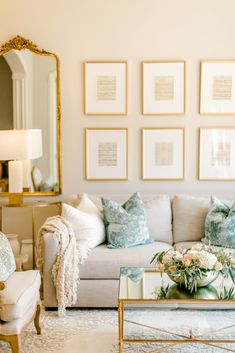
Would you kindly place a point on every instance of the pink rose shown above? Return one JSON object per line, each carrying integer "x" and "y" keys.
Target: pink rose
{"x": 218, "y": 266}
{"x": 186, "y": 262}
{"x": 187, "y": 259}
{"x": 188, "y": 256}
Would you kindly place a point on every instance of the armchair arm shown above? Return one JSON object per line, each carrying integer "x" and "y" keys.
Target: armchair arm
{"x": 2, "y": 285}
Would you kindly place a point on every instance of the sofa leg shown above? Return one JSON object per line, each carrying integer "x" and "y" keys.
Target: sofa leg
{"x": 37, "y": 318}
{"x": 15, "y": 343}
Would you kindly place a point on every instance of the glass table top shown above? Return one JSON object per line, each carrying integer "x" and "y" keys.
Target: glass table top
{"x": 148, "y": 284}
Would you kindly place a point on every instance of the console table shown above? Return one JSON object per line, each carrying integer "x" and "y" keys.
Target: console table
{"x": 26, "y": 219}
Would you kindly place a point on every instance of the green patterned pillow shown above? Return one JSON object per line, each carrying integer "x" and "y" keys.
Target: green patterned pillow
{"x": 125, "y": 224}
{"x": 220, "y": 224}
{"x": 7, "y": 260}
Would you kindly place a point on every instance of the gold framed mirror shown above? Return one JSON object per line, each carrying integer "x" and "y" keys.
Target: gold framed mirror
{"x": 30, "y": 99}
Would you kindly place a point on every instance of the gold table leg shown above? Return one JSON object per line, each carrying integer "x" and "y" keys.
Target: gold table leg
{"x": 120, "y": 325}
{"x": 37, "y": 318}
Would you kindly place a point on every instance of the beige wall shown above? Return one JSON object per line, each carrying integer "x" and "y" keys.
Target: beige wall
{"x": 132, "y": 30}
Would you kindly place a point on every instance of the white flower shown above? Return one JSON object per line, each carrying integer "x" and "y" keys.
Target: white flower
{"x": 205, "y": 260}
{"x": 171, "y": 256}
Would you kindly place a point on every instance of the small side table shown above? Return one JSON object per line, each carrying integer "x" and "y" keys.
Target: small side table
{"x": 32, "y": 205}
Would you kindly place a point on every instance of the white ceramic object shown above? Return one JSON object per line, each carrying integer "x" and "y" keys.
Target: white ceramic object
{"x": 14, "y": 242}
{"x": 27, "y": 248}
{"x": 36, "y": 178}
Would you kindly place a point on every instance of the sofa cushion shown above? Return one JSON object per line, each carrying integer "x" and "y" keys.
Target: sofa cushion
{"x": 21, "y": 292}
{"x": 106, "y": 263}
{"x": 220, "y": 224}
{"x": 125, "y": 224}
{"x": 189, "y": 214}
{"x": 185, "y": 244}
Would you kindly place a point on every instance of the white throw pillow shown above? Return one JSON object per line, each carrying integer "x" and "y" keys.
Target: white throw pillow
{"x": 159, "y": 217}
{"x": 86, "y": 222}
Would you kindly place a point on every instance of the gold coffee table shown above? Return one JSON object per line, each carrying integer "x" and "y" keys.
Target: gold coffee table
{"x": 154, "y": 311}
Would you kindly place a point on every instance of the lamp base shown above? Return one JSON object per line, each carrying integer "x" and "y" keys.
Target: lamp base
{"x": 15, "y": 199}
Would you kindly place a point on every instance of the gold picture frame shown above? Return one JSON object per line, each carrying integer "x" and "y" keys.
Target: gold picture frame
{"x": 107, "y": 150}
{"x": 166, "y": 149}
{"x": 105, "y": 88}
{"x": 167, "y": 94}
{"x": 216, "y": 87}
{"x": 216, "y": 153}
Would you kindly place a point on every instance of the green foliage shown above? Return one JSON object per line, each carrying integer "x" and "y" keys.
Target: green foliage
{"x": 227, "y": 293}
{"x": 160, "y": 293}
{"x": 157, "y": 258}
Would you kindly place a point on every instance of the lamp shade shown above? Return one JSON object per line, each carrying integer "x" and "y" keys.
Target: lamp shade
{"x": 20, "y": 144}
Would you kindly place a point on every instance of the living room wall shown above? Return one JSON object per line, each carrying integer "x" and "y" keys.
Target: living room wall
{"x": 131, "y": 30}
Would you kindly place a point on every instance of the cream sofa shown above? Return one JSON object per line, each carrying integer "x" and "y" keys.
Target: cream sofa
{"x": 171, "y": 220}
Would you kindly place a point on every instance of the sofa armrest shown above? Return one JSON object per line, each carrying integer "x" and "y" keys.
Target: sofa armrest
{"x": 50, "y": 246}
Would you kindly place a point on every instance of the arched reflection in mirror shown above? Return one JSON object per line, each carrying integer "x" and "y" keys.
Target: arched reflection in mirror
{"x": 30, "y": 99}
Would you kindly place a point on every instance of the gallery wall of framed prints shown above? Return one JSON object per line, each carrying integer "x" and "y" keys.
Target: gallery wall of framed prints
{"x": 217, "y": 87}
{"x": 106, "y": 154}
{"x": 105, "y": 88}
{"x": 162, "y": 153}
{"x": 162, "y": 149}
{"x": 217, "y": 153}
{"x": 163, "y": 87}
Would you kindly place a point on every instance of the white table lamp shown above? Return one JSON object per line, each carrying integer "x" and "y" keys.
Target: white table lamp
{"x": 15, "y": 146}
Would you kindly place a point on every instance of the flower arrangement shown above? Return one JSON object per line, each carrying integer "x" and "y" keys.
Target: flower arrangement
{"x": 187, "y": 266}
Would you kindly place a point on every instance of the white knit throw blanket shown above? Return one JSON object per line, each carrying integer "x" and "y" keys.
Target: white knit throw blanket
{"x": 70, "y": 253}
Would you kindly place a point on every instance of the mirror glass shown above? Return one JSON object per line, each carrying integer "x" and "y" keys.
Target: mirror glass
{"x": 29, "y": 94}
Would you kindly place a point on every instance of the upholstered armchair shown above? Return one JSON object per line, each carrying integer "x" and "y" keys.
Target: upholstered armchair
{"x": 19, "y": 298}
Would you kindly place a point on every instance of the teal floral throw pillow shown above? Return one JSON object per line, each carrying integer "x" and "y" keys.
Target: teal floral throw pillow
{"x": 7, "y": 260}
{"x": 126, "y": 224}
{"x": 220, "y": 224}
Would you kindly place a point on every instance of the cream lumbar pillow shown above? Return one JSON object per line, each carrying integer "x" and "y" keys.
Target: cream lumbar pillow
{"x": 86, "y": 221}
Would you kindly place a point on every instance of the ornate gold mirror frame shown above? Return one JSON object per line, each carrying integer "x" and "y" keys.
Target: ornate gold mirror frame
{"x": 20, "y": 43}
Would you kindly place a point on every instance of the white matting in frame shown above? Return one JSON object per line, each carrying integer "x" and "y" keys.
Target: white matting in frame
{"x": 105, "y": 88}
{"x": 107, "y": 154}
{"x": 217, "y": 89}
{"x": 163, "y": 87}
{"x": 163, "y": 153}
{"x": 217, "y": 153}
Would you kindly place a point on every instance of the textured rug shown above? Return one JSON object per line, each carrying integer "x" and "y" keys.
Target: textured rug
{"x": 95, "y": 331}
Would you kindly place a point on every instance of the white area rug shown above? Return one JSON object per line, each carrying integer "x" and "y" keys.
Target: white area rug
{"x": 95, "y": 331}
